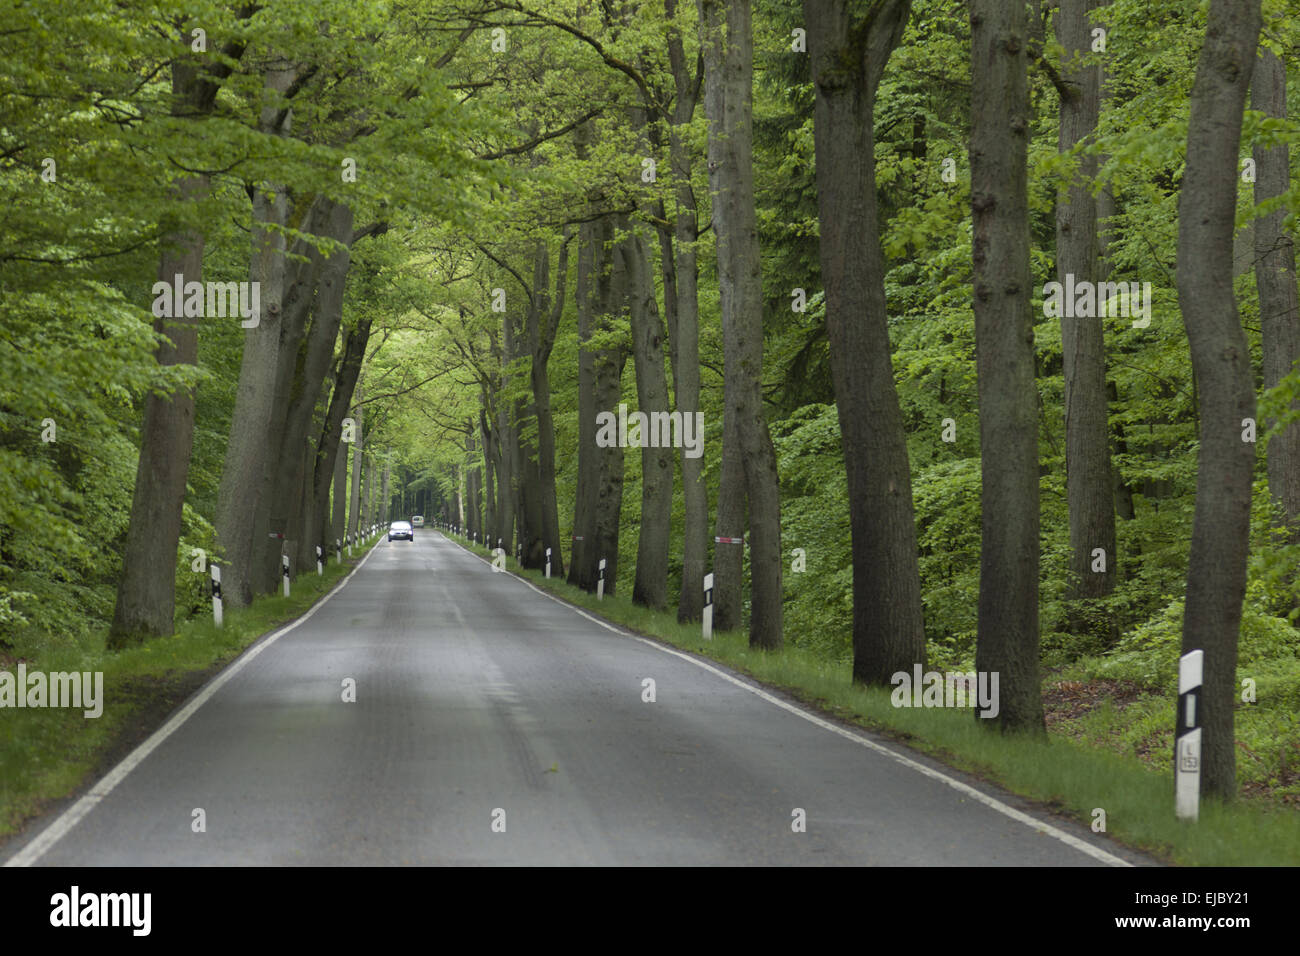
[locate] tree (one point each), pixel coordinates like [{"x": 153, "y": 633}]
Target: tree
[
  {"x": 1089, "y": 481},
  {"x": 728, "y": 105},
  {"x": 1216, "y": 570},
  {"x": 849, "y": 52},
  {"x": 1007, "y": 640},
  {"x": 146, "y": 599}
]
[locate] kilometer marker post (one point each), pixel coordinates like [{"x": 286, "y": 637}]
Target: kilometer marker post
[
  {"x": 216, "y": 594},
  {"x": 1187, "y": 737},
  {"x": 708, "y": 606}
]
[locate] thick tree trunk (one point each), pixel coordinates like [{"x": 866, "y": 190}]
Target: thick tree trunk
[
  {"x": 650, "y": 586},
  {"x": 276, "y": 505},
  {"x": 682, "y": 316},
  {"x": 584, "y": 498},
  {"x": 1007, "y": 638},
  {"x": 358, "y": 436},
  {"x": 489, "y": 474},
  {"x": 242, "y": 508},
  {"x": 848, "y": 58},
  {"x": 543, "y": 323},
  {"x": 608, "y": 368},
  {"x": 729, "y": 556},
  {"x": 599, "y": 501},
  {"x": 146, "y": 590},
  {"x": 507, "y": 447},
  {"x": 1275, "y": 280},
  {"x": 686, "y": 383},
  {"x": 474, "y": 519},
  {"x": 367, "y": 489},
  {"x": 1090, "y": 487},
  {"x": 728, "y": 103},
  {"x": 1216, "y": 571},
  {"x": 294, "y": 484},
  {"x": 332, "y": 454},
  {"x": 338, "y": 526}
]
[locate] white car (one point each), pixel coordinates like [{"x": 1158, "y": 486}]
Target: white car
[
  {"x": 401, "y": 529},
  {"x": 418, "y": 521}
]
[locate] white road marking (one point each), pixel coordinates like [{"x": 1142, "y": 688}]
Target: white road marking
[
  {"x": 70, "y": 817},
  {"x": 1083, "y": 846}
]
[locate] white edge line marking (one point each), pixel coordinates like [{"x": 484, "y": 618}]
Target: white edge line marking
[
  {"x": 1069, "y": 839},
  {"x": 70, "y": 817}
]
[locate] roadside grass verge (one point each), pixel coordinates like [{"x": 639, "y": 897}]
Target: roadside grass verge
[
  {"x": 46, "y": 754},
  {"x": 1074, "y": 774}
]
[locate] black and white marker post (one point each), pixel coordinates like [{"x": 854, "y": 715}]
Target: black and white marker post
[
  {"x": 349, "y": 537},
  {"x": 320, "y": 560},
  {"x": 284, "y": 571},
  {"x": 600, "y": 581},
  {"x": 338, "y": 550},
  {"x": 548, "y": 562},
  {"x": 1187, "y": 737},
  {"x": 708, "y": 606},
  {"x": 216, "y": 594}
]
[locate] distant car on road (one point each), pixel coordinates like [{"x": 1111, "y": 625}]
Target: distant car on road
[
  {"x": 418, "y": 521},
  {"x": 401, "y": 529}
]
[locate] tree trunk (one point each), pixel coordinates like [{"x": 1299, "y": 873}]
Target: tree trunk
[
  {"x": 848, "y": 58},
  {"x": 608, "y": 368},
  {"x": 729, "y": 556},
  {"x": 544, "y": 322},
  {"x": 358, "y": 436},
  {"x": 650, "y": 586},
  {"x": 728, "y": 104},
  {"x": 242, "y": 509},
  {"x": 1275, "y": 279},
  {"x": 507, "y": 445},
  {"x": 331, "y": 444},
  {"x": 474, "y": 519},
  {"x": 1216, "y": 571},
  {"x": 489, "y": 473},
  {"x": 295, "y": 485},
  {"x": 1007, "y": 637},
  {"x": 599, "y": 500},
  {"x": 276, "y": 505},
  {"x": 146, "y": 590},
  {"x": 384, "y": 507},
  {"x": 684, "y": 337},
  {"x": 1089, "y": 483},
  {"x": 339, "y": 511}
]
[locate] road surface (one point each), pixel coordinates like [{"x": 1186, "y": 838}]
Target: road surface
[{"x": 493, "y": 724}]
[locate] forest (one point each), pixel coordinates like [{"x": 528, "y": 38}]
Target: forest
[{"x": 941, "y": 334}]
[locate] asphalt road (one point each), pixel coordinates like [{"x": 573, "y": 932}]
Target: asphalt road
[{"x": 495, "y": 725}]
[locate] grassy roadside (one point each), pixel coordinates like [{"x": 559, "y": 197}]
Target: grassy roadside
[
  {"x": 1073, "y": 776},
  {"x": 46, "y": 754}
]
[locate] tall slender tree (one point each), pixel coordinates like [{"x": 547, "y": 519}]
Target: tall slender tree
[
  {"x": 1089, "y": 483},
  {"x": 1007, "y": 637}
]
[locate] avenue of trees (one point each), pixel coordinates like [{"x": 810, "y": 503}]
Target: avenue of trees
[{"x": 828, "y": 228}]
